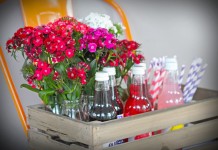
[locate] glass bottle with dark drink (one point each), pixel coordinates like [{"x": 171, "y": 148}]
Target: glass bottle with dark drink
[
  {"x": 116, "y": 101},
  {"x": 102, "y": 109}
]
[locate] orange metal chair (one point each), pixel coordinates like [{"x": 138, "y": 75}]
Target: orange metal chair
[
  {"x": 122, "y": 16},
  {"x": 38, "y": 20},
  {"x": 38, "y": 12},
  {"x": 13, "y": 91}
]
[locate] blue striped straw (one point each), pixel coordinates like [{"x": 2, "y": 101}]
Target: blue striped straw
[
  {"x": 181, "y": 75},
  {"x": 194, "y": 76},
  {"x": 189, "y": 77},
  {"x": 193, "y": 90},
  {"x": 190, "y": 85}
]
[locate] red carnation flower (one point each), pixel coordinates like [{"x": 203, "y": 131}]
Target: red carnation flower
[{"x": 69, "y": 53}]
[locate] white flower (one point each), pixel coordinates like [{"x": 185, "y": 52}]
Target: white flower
[{"x": 96, "y": 20}]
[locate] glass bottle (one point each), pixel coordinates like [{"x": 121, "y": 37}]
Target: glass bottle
[
  {"x": 171, "y": 94},
  {"x": 102, "y": 109},
  {"x": 137, "y": 101},
  {"x": 145, "y": 84},
  {"x": 116, "y": 101}
]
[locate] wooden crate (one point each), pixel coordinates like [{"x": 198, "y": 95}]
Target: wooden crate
[{"x": 50, "y": 131}]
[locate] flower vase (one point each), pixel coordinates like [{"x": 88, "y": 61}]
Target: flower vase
[
  {"x": 54, "y": 105},
  {"x": 86, "y": 101},
  {"x": 70, "y": 108}
]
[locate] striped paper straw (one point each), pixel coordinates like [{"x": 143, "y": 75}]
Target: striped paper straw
[
  {"x": 194, "y": 78},
  {"x": 197, "y": 82},
  {"x": 160, "y": 81},
  {"x": 149, "y": 71},
  {"x": 196, "y": 69},
  {"x": 189, "y": 77},
  {"x": 181, "y": 75},
  {"x": 155, "y": 84},
  {"x": 162, "y": 75}
]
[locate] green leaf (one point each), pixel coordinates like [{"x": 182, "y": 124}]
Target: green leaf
[
  {"x": 60, "y": 68},
  {"x": 44, "y": 95},
  {"x": 78, "y": 91},
  {"x": 29, "y": 88},
  {"x": 128, "y": 82},
  {"x": 118, "y": 72},
  {"x": 50, "y": 82},
  {"x": 90, "y": 87},
  {"x": 70, "y": 96},
  {"x": 93, "y": 66},
  {"x": 44, "y": 57},
  {"x": 123, "y": 93}
]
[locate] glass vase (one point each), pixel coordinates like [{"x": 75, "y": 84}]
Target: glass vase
[
  {"x": 54, "y": 105},
  {"x": 85, "y": 103},
  {"x": 71, "y": 108}
]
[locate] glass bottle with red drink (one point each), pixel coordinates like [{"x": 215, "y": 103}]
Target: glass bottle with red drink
[
  {"x": 116, "y": 101},
  {"x": 137, "y": 101},
  {"x": 146, "y": 86}
]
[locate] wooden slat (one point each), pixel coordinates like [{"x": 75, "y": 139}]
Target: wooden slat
[
  {"x": 41, "y": 141},
  {"x": 175, "y": 139},
  {"x": 74, "y": 129},
  {"x": 209, "y": 146},
  {"x": 152, "y": 121},
  {"x": 202, "y": 94}
]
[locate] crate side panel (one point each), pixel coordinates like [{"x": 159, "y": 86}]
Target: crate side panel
[
  {"x": 38, "y": 140},
  {"x": 152, "y": 121},
  {"x": 175, "y": 139},
  {"x": 60, "y": 125}
]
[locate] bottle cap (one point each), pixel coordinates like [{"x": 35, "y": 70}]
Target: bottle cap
[
  {"x": 142, "y": 64},
  {"x": 171, "y": 64},
  {"x": 101, "y": 76},
  {"x": 139, "y": 70},
  {"x": 110, "y": 70}
]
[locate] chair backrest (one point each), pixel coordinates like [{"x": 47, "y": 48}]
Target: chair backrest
[
  {"x": 122, "y": 16},
  {"x": 39, "y": 12}
]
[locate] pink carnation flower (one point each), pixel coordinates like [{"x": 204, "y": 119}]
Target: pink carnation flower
[{"x": 92, "y": 47}]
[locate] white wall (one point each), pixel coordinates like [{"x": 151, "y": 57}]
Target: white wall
[{"x": 186, "y": 28}]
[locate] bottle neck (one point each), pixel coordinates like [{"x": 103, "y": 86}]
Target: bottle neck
[
  {"x": 171, "y": 78},
  {"x": 112, "y": 84},
  {"x": 102, "y": 86},
  {"x": 138, "y": 82}
]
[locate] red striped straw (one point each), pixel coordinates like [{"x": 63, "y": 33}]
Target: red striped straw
[
  {"x": 162, "y": 75},
  {"x": 181, "y": 75},
  {"x": 154, "y": 89}
]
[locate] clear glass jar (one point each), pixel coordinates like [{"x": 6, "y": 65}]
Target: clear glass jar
[{"x": 71, "y": 109}]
